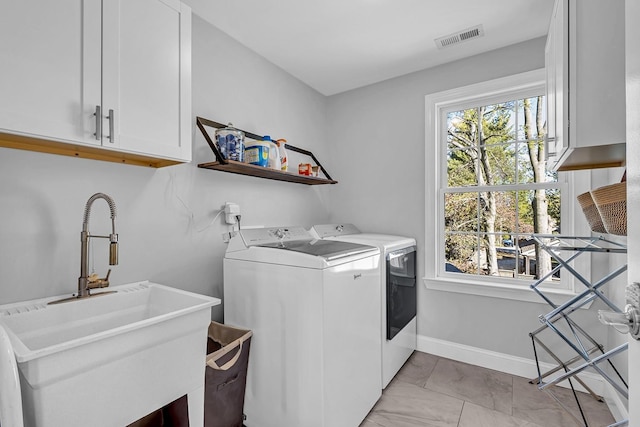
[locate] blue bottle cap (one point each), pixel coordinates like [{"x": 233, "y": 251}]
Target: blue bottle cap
[{"x": 266, "y": 138}]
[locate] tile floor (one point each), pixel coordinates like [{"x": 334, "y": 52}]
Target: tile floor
[{"x": 434, "y": 391}]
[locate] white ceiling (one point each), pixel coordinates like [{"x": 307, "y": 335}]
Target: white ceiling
[{"x": 338, "y": 45}]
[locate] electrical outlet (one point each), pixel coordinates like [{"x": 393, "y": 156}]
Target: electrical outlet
[
  {"x": 226, "y": 237},
  {"x": 231, "y": 211}
]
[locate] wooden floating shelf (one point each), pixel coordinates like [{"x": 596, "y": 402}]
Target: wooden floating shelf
[
  {"x": 262, "y": 172},
  {"x": 232, "y": 166}
]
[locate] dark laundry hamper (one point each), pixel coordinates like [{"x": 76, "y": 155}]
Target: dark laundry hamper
[{"x": 225, "y": 382}]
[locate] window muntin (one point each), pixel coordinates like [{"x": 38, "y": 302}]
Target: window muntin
[{"x": 493, "y": 166}]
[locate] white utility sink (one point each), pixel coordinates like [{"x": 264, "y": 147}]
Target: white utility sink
[{"x": 109, "y": 360}]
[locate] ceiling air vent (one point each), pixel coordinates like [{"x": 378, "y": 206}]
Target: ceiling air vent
[{"x": 460, "y": 36}]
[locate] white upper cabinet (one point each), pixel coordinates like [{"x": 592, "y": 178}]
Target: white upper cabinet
[
  {"x": 146, "y": 73},
  {"x": 584, "y": 58},
  {"x": 43, "y": 54},
  {"x": 114, "y": 74},
  {"x": 557, "y": 68}
]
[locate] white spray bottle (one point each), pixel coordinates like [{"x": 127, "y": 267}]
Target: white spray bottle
[
  {"x": 284, "y": 164},
  {"x": 274, "y": 155}
]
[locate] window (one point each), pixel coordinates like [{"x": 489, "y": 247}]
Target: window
[
  {"x": 497, "y": 190},
  {"x": 490, "y": 190}
]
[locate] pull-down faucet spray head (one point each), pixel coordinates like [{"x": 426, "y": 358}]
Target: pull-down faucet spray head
[
  {"x": 113, "y": 253},
  {"x": 83, "y": 290}
]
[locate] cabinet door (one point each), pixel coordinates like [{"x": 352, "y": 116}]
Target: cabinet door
[
  {"x": 46, "y": 48},
  {"x": 549, "y": 54},
  {"x": 556, "y": 62},
  {"x": 585, "y": 60},
  {"x": 597, "y": 58},
  {"x": 146, "y": 77}
]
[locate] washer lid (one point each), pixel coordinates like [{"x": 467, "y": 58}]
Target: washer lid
[
  {"x": 329, "y": 250},
  {"x": 350, "y": 233},
  {"x": 295, "y": 246}
]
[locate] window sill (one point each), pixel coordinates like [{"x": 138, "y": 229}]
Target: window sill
[{"x": 503, "y": 291}]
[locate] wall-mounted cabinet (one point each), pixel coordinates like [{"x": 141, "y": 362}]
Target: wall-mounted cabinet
[
  {"x": 584, "y": 57},
  {"x": 108, "y": 80}
]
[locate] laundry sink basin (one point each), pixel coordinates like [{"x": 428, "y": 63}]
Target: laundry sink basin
[{"x": 109, "y": 360}]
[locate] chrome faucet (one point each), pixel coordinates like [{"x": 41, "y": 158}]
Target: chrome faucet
[{"x": 86, "y": 282}]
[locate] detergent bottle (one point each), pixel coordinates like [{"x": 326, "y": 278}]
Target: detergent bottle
[
  {"x": 257, "y": 152},
  {"x": 274, "y": 156},
  {"x": 284, "y": 164}
]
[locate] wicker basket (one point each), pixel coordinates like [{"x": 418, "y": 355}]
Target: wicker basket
[
  {"x": 611, "y": 201},
  {"x": 591, "y": 212}
]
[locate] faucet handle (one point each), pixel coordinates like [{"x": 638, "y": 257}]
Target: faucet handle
[{"x": 95, "y": 282}]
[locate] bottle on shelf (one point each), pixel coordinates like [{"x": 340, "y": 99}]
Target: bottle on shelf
[
  {"x": 274, "y": 155},
  {"x": 258, "y": 152},
  {"x": 284, "y": 163}
]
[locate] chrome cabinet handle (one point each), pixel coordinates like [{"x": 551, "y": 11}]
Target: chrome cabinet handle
[
  {"x": 98, "y": 115},
  {"x": 111, "y": 117}
]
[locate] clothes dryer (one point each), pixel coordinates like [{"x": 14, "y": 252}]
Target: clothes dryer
[{"x": 398, "y": 293}]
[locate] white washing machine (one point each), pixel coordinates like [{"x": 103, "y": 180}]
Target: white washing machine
[
  {"x": 313, "y": 307},
  {"x": 398, "y": 293}
]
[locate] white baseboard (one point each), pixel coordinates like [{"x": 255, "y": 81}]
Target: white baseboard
[
  {"x": 519, "y": 366},
  {"x": 616, "y": 404}
]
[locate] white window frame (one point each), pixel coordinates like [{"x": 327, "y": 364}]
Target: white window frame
[{"x": 518, "y": 86}]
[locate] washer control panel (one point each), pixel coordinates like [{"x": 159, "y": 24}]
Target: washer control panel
[
  {"x": 262, "y": 236},
  {"x": 332, "y": 230}
]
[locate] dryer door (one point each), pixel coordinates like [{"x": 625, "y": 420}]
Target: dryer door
[{"x": 401, "y": 289}]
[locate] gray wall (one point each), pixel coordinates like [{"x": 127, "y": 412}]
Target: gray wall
[
  {"x": 164, "y": 215},
  {"x": 377, "y": 136},
  {"x": 615, "y": 289}
]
